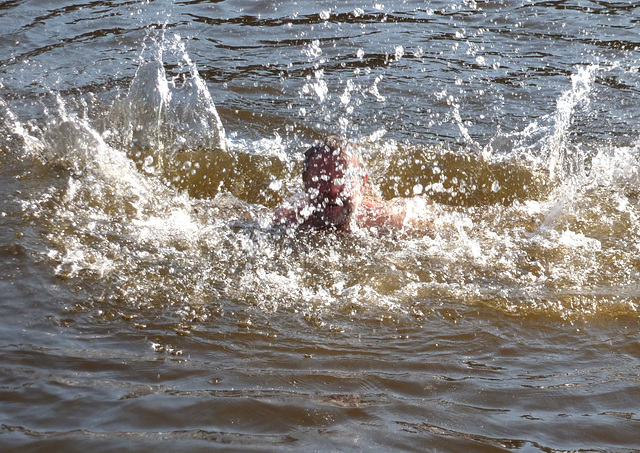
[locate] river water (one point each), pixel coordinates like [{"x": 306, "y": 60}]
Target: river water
[{"x": 147, "y": 302}]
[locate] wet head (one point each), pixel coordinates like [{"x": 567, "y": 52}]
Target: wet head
[{"x": 334, "y": 180}]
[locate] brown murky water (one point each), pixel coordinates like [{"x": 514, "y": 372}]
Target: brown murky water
[{"x": 147, "y": 302}]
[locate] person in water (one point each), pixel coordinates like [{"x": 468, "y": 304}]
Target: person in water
[{"x": 336, "y": 195}]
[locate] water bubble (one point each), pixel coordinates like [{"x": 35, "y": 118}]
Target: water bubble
[
  {"x": 399, "y": 52},
  {"x": 148, "y": 165},
  {"x": 312, "y": 49},
  {"x": 373, "y": 89},
  {"x": 275, "y": 185}
]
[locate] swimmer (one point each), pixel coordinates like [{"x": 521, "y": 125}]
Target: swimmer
[{"x": 336, "y": 195}]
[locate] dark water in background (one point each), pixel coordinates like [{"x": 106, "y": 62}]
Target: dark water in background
[{"x": 146, "y": 303}]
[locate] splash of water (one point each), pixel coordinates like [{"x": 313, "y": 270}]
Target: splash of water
[
  {"x": 166, "y": 114},
  {"x": 146, "y": 247},
  {"x": 336, "y": 100},
  {"x": 566, "y": 161}
]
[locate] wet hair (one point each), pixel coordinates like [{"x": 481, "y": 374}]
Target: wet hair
[{"x": 332, "y": 145}]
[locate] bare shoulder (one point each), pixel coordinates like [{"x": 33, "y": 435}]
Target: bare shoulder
[
  {"x": 376, "y": 212},
  {"x": 412, "y": 213}
]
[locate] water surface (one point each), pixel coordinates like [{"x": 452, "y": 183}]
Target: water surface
[{"x": 148, "y": 303}]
